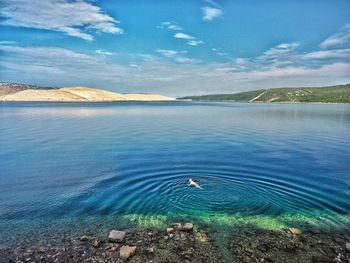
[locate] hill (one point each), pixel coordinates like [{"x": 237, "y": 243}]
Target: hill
[
  {"x": 330, "y": 94},
  {"x": 21, "y": 92}
]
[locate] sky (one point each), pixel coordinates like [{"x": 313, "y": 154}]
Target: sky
[{"x": 175, "y": 48}]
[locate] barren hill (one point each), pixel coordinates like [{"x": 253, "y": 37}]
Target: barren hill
[{"x": 20, "y": 92}]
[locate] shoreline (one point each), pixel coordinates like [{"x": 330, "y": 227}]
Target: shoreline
[{"x": 184, "y": 243}]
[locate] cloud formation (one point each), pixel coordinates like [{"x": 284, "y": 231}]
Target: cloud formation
[
  {"x": 210, "y": 13},
  {"x": 176, "y": 55},
  {"x": 342, "y": 37},
  {"x": 172, "y": 73},
  {"x": 77, "y": 18},
  {"x": 192, "y": 41},
  {"x": 170, "y": 26},
  {"x": 183, "y": 36}
]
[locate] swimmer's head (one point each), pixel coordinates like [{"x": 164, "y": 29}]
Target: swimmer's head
[{"x": 190, "y": 180}]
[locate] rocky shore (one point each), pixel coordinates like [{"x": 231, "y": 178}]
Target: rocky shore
[{"x": 187, "y": 243}]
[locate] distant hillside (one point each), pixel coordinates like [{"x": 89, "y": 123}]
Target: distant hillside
[
  {"x": 331, "y": 94},
  {"x": 22, "y": 92}
]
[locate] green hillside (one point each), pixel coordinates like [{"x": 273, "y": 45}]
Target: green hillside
[{"x": 331, "y": 94}]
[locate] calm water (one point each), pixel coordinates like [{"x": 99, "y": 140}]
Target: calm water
[{"x": 261, "y": 163}]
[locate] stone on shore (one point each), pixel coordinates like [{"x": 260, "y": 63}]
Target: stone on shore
[
  {"x": 177, "y": 226},
  {"x": 84, "y": 238},
  {"x": 127, "y": 251},
  {"x": 96, "y": 244},
  {"x": 116, "y": 236},
  {"x": 347, "y": 245},
  {"x": 170, "y": 230},
  {"x": 184, "y": 227},
  {"x": 187, "y": 227},
  {"x": 294, "y": 231}
]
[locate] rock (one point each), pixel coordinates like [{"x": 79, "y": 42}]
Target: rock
[
  {"x": 294, "y": 231},
  {"x": 150, "y": 250},
  {"x": 337, "y": 259},
  {"x": 127, "y": 251},
  {"x": 96, "y": 244},
  {"x": 347, "y": 245},
  {"x": 170, "y": 230},
  {"x": 177, "y": 226},
  {"x": 187, "y": 227},
  {"x": 263, "y": 248},
  {"x": 115, "y": 248},
  {"x": 321, "y": 259},
  {"x": 116, "y": 236},
  {"x": 84, "y": 238}
]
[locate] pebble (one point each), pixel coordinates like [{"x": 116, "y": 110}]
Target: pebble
[
  {"x": 347, "y": 245},
  {"x": 170, "y": 230},
  {"x": 116, "y": 236},
  {"x": 96, "y": 244},
  {"x": 127, "y": 251},
  {"x": 294, "y": 231},
  {"x": 84, "y": 238},
  {"x": 150, "y": 250}
]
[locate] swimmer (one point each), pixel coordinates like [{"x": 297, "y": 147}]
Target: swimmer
[{"x": 192, "y": 183}]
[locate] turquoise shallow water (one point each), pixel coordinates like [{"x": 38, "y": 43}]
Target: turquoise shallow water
[{"x": 266, "y": 164}]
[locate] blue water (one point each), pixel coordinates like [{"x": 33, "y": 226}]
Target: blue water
[{"x": 253, "y": 161}]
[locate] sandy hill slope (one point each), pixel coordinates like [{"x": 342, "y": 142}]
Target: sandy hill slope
[
  {"x": 90, "y": 94},
  {"x": 72, "y": 94}
]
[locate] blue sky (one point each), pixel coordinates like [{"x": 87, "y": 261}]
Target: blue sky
[{"x": 177, "y": 47}]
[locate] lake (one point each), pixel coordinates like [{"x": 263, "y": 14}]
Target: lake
[{"x": 272, "y": 165}]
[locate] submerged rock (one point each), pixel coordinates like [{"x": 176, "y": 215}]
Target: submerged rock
[
  {"x": 127, "y": 251},
  {"x": 116, "y": 236}
]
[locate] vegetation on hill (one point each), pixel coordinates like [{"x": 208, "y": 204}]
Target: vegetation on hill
[{"x": 331, "y": 94}]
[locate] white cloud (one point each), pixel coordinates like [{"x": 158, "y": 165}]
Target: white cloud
[
  {"x": 103, "y": 52},
  {"x": 340, "y": 38},
  {"x": 75, "y": 18},
  {"x": 183, "y": 36},
  {"x": 176, "y": 55},
  {"x": 192, "y": 41},
  {"x": 328, "y": 54},
  {"x": 195, "y": 42},
  {"x": 284, "y": 49},
  {"x": 167, "y": 52},
  {"x": 210, "y": 13},
  {"x": 170, "y": 25},
  {"x": 186, "y": 60}
]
